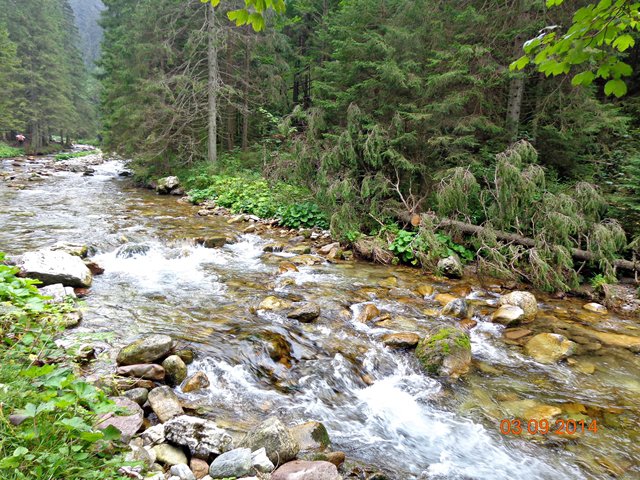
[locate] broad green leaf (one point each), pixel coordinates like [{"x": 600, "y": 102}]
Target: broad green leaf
[
  {"x": 616, "y": 87},
  {"x": 111, "y": 433},
  {"x": 584, "y": 79},
  {"x": 624, "y": 42}
]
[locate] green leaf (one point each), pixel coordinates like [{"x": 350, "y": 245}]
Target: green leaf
[
  {"x": 624, "y": 42},
  {"x": 616, "y": 87},
  {"x": 111, "y": 433},
  {"x": 584, "y": 79},
  {"x": 520, "y": 63}
]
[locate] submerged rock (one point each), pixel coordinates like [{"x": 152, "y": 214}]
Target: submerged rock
[
  {"x": 596, "y": 308},
  {"x": 165, "y": 404},
  {"x": 51, "y": 267},
  {"x": 176, "y": 369},
  {"x": 145, "y": 350},
  {"x": 368, "y": 313},
  {"x": 197, "y": 381},
  {"x": 451, "y": 267},
  {"x": 232, "y": 464},
  {"x": 458, "y": 308},
  {"x": 273, "y": 303},
  {"x": 549, "y": 347},
  {"x": 508, "y": 315},
  {"x": 276, "y": 439},
  {"x": 202, "y": 437},
  {"x": 525, "y": 300},
  {"x": 305, "y": 470},
  {"x": 307, "y": 260},
  {"x": 306, "y": 312},
  {"x": 446, "y": 352},
  {"x": 131, "y": 250}
]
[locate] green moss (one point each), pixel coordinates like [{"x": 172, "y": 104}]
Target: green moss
[{"x": 432, "y": 350}]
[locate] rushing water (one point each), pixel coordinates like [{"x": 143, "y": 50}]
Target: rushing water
[{"x": 376, "y": 403}]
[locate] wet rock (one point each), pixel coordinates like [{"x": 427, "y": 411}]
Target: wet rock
[
  {"x": 368, "y": 313},
  {"x": 128, "y": 423},
  {"x": 401, "y": 340},
  {"x": 197, "y": 381},
  {"x": 234, "y": 463},
  {"x": 132, "y": 250},
  {"x": 165, "y": 404},
  {"x": 138, "y": 395},
  {"x": 94, "y": 267},
  {"x": 202, "y": 437},
  {"x": 326, "y": 249},
  {"x": 237, "y": 219},
  {"x": 444, "y": 298},
  {"x": 75, "y": 249},
  {"x": 306, "y": 312},
  {"x": 186, "y": 354},
  {"x": 305, "y": 470},
  {"x": 389, "y": 282},
  {"x": 337, "y": 458},
  {"x": 311, "y": 436},
  {"x": 467, "y": 324},
  {"x": 425, "y": 290},
  {"x": 272, "y": 303},
  {"x": 169, "y": 454},
  {"x": 261, "y": 462},
  {"x": 596, "y": 308},
  {"x": 249, "y": 229},
  {"x": 153, "y": 435},
  {"x": 51, "y": 267},
  {"x": 182, "y": 471},
  {"x": 167, "y": 184},
  {"x": 530, "y": 410},
  {"x": 150, "y": 371},
  {"x": 218, "y": 241},
  {"x": 146, "y": 350},
  {"x": 285, "y": 267},
  {"x": 458, "y": 308},
  {"x": 273, "y": 247},
  {"x": 525, "y": 300},
  {"x": 126, "y": 384},
  {"x": 278, "y": 348},
  {"x": 300, "y": 249},
  {"x": 199, "y": 467},
  {"x": 335, "y": 254},
  {"x": 549, "y": 347},
  {"x": 451, "y": 267},
  {"x": 176, "y": 369},
  {"x": 446, "y": 352},
  {"x": 582, "y": 366},
  {"x": 516, "y": 334},
  {"x": 275, "y": 437},
  {"x": 508, "y": 315},
  {"x": 307, "y": 260}
]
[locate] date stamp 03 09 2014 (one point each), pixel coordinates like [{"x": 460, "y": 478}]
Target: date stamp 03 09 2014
[{"x": 544, "y": 427}]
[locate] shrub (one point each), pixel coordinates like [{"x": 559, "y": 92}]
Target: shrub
[
  {"x": 67, "y": 156},
  {"x": 7, "y": 152}
]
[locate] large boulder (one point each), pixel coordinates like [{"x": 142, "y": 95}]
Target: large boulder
[
  {"x": 164, "y": 403},
  {"x": 167, "y": 185},
  {"x": 525, "y": 300},
  {"x": 276, "y": 439},
  {"x": 451, "y": 267},
  {"x": 51, "y": 267},
  {"x": 176, "y": 370},
  {"x": 235, "y": 463},
  {"x": 549, "y": 347},
  {"x": 307, "y": 312},
  {"x": 145, "y": 350},
  {"x": 202, "y": 437},
  {"x": 128, "y": 423},
  {"x": 446, "y": 352},
  {"x": 311, "y": 436},
  {"x": 304, "y": 470}
]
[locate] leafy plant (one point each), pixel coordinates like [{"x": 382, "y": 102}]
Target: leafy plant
[
  {"x": 67, "y": 156},
  {"x": 302, "y": 215},
  {"x": 600, "y": 280},
  {"x": 409, "y": 246},
  {"x": 7, "y": 152}
]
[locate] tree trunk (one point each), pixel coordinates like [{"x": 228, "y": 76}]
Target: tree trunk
[
  {"x": 516, "y": 93},
  {"x": 213, "y": 85}
]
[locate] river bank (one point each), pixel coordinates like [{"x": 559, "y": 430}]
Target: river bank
[{"x": 375, "y": 402}]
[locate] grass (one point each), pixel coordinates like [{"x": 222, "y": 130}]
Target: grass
[
  {"x": 7, "y": 152},
  {"x": 67, "y": 156},
  {"x": 56, "y": 438}
]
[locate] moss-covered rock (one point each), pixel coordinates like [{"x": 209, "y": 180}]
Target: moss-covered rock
[{"x": 446, "y": 352}]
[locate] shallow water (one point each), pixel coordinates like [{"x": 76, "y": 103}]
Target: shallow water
[{"x": 376, "y": 403}]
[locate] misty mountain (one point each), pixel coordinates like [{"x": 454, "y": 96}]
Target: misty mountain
[{"x": 87, "y": 13}]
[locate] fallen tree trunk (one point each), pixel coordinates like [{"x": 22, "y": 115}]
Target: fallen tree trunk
[{"x": 531, "y": 243}]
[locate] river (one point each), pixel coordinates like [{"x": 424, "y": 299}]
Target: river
[{"x": 377, "y": 404}]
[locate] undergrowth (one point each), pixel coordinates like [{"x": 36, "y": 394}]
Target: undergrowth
[
  {"x": 7, "y": 152},
  {"x": 67, "y": 156}
]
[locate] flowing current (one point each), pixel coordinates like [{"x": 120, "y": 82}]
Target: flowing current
[{"x": 378, "y": 406}]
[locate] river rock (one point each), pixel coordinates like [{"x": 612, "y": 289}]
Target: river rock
[
  {"x": 150, "y": 371},
  {"x": 273, "y": 303},
  {"x": 444, "y": 298},
  {"x": 199, "y": 467},
  {"x": 305, "y": 470},
  {"x": 276, "y": 439},
  {"x": 458, "y": 308},
  {"x": 51, "y": 267},
  {"x": 138, "y": 395},
  {"x": 234, "y": 463},
  {"x": 525, "y": 300},
  {"x": 146, "y": 350},
  {"x": 153, "y": 435},
  {"x": 261, "y": 462},
  {"x": 131, "y": 250},
  {"x": 516, "y": 334},
  {"x": 93, "y": 267},
  {"x": 596, "y": 308},
  {"x": 326, "y": 250},
  {"x": 167, "y": 184},
  {"x": 57, "y": 292},
  {"x": 300, "y": 249},
  {"x": 307, "y": 260},
  {"x": 202, "y": 437},
  {"x": 165, "y": 404},
  {"x": 75, "y": 249},
  {"x": 311, "y": 436},
  {"x": 401, "y": 340},
  {"x": 446, "y": 352},
  {"x": 425, "y": 290},
  {"x": 368, "y": 312},
  {"x": 451, "y": 267},
  {"x": 182, "y": 471},
  {"x": 176, "y": 369},
  {"x": 128, "y": 424},
  {"x": 307, "y": 312},
  {"x": 549, "y": 347},
  {"x": 273, "y": 247},
  {"x": 197, "y": 381},
  {"x": 508, "y": 315},
  {"x": 187, "y": 355},
  {"x": 140, "y": 454},
  {"x": 530, "y": 410},
  {"x": 169, "y": 454},
  {"x": 285, "y": 267}
]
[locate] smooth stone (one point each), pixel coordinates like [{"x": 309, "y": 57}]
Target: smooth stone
[
  {"x": 234, "y": 463},
  {"x": 138, "y": 395},
  {"x": 182, "y": 471},
  {"x": 202, "y": 437},
  {"x": 326, "y": 249},
  {"x": 517, "y": 333},
  {"x": 51, "y": 267},
  {"x": 94, "y": 267},
  {"x": 167, "y": 184},
  {"x": 165, "y": 404},
  {"x": 150, "y": 371},
  {"x": 368, "y": 312},
  {"x": 261, "y": 462},
  {"x": 140, "y": 454},
  {"x": 311, "y": 436},
  {"x": 306, "y": 470},
  {"x": 300, "y": 249},
  {"x": 458, "y": 308},
  {"x": 401, "y": 340},
  {"x": 549, "y": 347},
  {"x": 444, "y": 298},
  {"x": 337, "y": 458},
  {"x": 169, "y": 454},
  {"x": 75, "y": 249},
  {"x": 186, "y": 354},
  {"x": 451, "y": 267},
  {"x": 425, "y": 290},
  {"x": 306, "y": 312},
  {"x": 58, "y": 293},
  {"x": 275, "y": 437},
  {"x": 596, "y": 308},
  {"x": 285, "y": 267},
  {"x": 508, "y": 315},
  {"x": 127, "y": 424},
  {"x": 307, "y": 260},
  {"x": 525, "y": 300},
  {"x": 199, "y": 467},
  {"x": 530, "y": 409},
  {"x": 273, "y": 303},
  {"x": 145, "y": 350},
  {"x": 197, "y": 381},
  {"x": 176, "y": 369}
]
